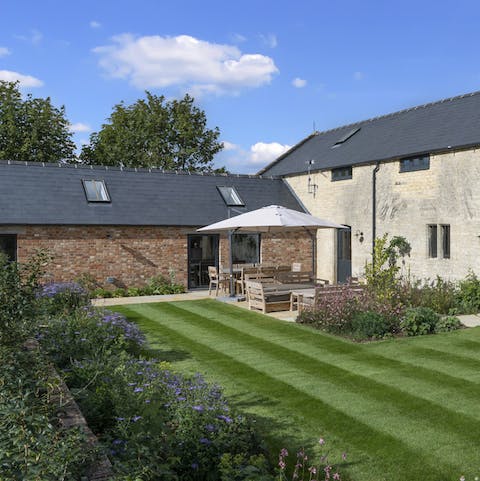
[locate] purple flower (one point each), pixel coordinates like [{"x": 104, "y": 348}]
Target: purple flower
[
  {"x": 227, "y": 419},
  {"x": 198, "y": 408},
  {"x": 205, "y": 441},
  {"x": 136, "y": 418},
  {"x": 138, "y": 389}
]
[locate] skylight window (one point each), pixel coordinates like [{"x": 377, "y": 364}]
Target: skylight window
[
  {"x": 343, "y": 139},
  {"x": 231, "y": 197},
  {"x": 96, "y": 191}
]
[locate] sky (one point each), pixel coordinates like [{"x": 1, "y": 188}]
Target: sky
[{"x": 267, "y": 73}]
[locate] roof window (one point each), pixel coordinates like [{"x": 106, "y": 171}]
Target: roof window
[
  {"x": 230, "y": 196},
  {"x": 344, "y": 138},
  {"x": 96, "y": 191}
]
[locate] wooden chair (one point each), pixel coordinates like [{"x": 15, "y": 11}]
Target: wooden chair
[
  {"x": 246, "y": 271},
  {"x": 219, "y": 281}
]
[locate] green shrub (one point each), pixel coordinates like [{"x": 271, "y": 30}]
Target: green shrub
[
  {"x": 439, "y": 295},
  {"x": 448, "y": 323},
  {"x": 18, "y": 302},
  {"x": 419, "y": 321},
  {"x": 370, "y": 325},
  {"x": 62, "y": 297},
  {"x": 468, "y": 296},
  {"x": 119, "y": 292}
]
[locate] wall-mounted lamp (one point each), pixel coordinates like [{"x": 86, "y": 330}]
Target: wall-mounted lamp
[
  {"x": 311, "y": 186},
  {"x": 359, "y": 236}
]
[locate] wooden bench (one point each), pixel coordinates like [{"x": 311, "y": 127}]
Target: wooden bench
[
  {"x": 299, "y": 277},
  {"x": 325, "y": 291},
  {"x": 267, "y": 296}
]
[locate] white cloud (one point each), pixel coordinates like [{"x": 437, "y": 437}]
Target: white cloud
[
  {"x": 80, "y": 127},
  {"x": 299, "y": 82},
  {"x": 238, "y": 38},
  {"x": 25, "y": 80},
  {"x": 35, "y": 37},
  {"x": 263, "y": 153},
  {"x": 358, "y": 75},
  {"x": 4, "y": 51},
  {"x": 269, "y": 40},
  {"x": 184, "y": 61},
  {"x": 95, "y": 24},
  {"x": 229, "y": 145}
]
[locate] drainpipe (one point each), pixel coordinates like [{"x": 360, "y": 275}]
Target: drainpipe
[{"x": 374, "y": 209}]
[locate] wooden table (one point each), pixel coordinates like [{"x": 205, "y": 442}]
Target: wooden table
[{"x": 297, "y": 295}]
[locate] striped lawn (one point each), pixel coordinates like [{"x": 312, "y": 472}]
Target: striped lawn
[{"x": 404, "y": 409}]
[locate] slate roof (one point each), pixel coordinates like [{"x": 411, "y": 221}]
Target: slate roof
[
  {"x": 439, "y": 126},
  {"x": 35, "y": 193}
]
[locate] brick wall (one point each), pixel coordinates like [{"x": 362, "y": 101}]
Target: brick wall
[{"x": 133, "y": 254}]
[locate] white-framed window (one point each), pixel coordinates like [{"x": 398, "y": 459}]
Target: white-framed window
[{"x": 231, "y": 196}]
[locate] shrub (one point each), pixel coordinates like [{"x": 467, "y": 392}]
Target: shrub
[
  {"x": 418, "y": 321},
  {"x": 62, "y": 297},
  {"x": 369, "y": 325},
  {"x": 33, "y": 445},
  {"x": 468, "y": 296},
  {"x": 448, "y": 323},
  {"x": 18, "y": 304}
]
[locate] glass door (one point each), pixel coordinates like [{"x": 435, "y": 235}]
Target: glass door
[{"x": 202, "y": 252}]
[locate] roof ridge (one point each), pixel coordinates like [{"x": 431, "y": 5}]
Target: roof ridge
[
  {"x": 398, "y": 112},
  {"x": 151, "y": 170}
]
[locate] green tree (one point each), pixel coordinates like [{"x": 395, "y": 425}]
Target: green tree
[
  {"x": 32, "y": 129},
  {"x": 154, "y": 132}
]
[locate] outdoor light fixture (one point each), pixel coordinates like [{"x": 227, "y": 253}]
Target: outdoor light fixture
[
  {"x": 311, "y": 186},
  {"x": 359, "y": 236}
]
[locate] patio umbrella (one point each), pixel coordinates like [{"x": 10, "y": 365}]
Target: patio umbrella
[{"x": 273, "y": 218}]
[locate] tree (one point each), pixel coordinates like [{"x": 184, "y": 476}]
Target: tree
[
  {"x": 32, "y": 129},
  {"x": 154, "y": 132}
]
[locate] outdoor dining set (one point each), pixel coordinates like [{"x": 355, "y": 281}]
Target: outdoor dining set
[{"x": 274, "y": 287}]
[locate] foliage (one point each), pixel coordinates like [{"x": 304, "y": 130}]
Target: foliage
[
  {"x": 382, "y": 273},
  {"x": 155, "y": 132},
  {"x": 62, "y": 297},
  {"x": 154, "y": 423},
  {"x": 33, "y": 446},
  {"x": 32, "y": 129},
  {"x": 439, "y": 295},
  {"x": 448, "y": 323},
  {"x": 419, "y": 321},
  {"x": 341, "y": 313},
  {"x": 304, "y": 470},
  {"x": 370, "y": 325},
  {"x": 18, "y": 306},
  {"x": 157, "y": 285},
  {"x": 468, "y": 295}
]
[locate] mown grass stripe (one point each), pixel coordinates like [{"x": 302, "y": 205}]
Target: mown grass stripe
[
  {"x": 377, "y": 445},
  {"x": 460, "y": 429},
  {"x": 434, "y": 388}
]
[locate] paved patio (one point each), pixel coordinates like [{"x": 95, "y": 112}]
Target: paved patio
[{"x": 468, "y": 320}]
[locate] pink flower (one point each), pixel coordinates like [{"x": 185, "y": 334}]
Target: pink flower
[
  {"x": 336, "y": 476},
  {"x": 321, "y": 441},
  {"x": 344, "y": 456}
]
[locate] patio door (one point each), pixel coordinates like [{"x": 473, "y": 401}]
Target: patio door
[
  {"x": 202, "y": 252},
  {"x": 344, "y": 254}
]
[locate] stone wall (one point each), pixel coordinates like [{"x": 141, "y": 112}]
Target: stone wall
[
  {"x": 131, "y": 255},
  {"x": 407, "y": 202}
]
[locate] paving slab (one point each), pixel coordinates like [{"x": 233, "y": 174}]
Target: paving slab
[
  {"x": 117, "y": 301},
  {"x": 470, "y": 320}
]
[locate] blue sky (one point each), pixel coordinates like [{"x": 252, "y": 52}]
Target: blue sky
[{"x": 265, "y": 72}]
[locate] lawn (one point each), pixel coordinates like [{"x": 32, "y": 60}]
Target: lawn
[{"x": 403, "y": 409}]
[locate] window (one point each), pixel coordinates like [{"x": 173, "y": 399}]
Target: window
[
  {"x": 345, "y": 137},
  {"x": 445, "y": 232},
  {"x": 342, "y": 173},
  {"x": 432, "y": 241},
  {"x": 415, "y": 163},
  {"x": 8, "y": 246},
  {"x": 246, "y": 248},
  {"x": 96, "y": 191},
  {"x": 230, "y": 196}
]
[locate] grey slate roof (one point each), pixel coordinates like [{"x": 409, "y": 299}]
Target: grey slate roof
[
  {"x": 434, "y": 127},
  {"x": 34, "y": 193}
]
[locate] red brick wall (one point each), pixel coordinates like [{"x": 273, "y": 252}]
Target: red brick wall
[{"x": 134, "y": 254}]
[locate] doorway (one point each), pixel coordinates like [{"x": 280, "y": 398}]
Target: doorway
[
  {"x": 344, "y": 254},
  {"x": 202, "y": 252}
]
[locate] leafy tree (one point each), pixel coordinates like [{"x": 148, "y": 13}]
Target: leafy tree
[
  {"x": 32, "y": 129},
  {"x": 154, "y": 132}
]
